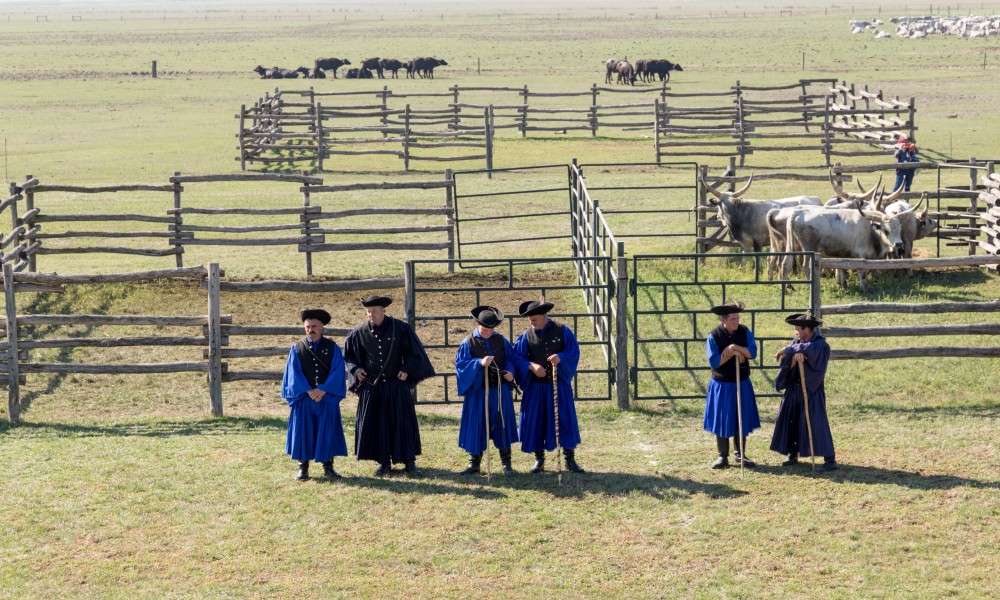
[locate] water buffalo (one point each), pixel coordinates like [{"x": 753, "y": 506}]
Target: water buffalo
[
  {"x": 356, "y": 73},
  {"x": 331, "y": 64},
  {"x": 311, "y": 73},
  {"x": 626, "y": 72},
  {"x": 285, "y": 73},
  {"x": 373, "y": 64},
  {"x": 266, "y": 73},
  {"x": 661, "y": 68},
  {"x": 392, "y": 65},
  {"x": 424, "y": 66},
  {"x": 611, "y": 64}
]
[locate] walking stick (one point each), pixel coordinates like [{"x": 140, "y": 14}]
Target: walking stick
[
  {"x": 739, "y": 416},
  {"x": 486, "y": 412},
  {"x": 555, "y": 405},
  {"x": 805, "y": 405}
]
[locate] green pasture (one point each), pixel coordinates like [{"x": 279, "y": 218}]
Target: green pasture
[{"x": 123, "y": 486}]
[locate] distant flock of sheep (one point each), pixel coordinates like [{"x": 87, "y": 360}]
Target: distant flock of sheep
[
  {"x": 915, "y": 28},
  {"x": 422, "y": 66}
]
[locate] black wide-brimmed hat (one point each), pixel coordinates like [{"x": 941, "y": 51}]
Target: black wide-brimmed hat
[
  {"x": 804, "y": 320},
  {"x": 487, "y": 316},
  {"x": 376, "y": 300},
  {"x": 315, "y": 313},
  {"x": 729, "y": 308},
  {"x": 534, "y": 307}
]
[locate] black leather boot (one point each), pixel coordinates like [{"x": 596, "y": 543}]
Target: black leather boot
[
  {"x": 539, "y": 462},
  {"x": 505, "y": 461},
  {"x": 384, "y": 470},
  {"x": 303, "y": 471},
  {"x": 571, "y": 461},
  {"x": 412, "y": 470},
  {"x": 329, "y": 472},
  {"x": 474, "y": 461},
  {"x": 722, "y": 461},
  {"x": 738, "y": 456},
  {"x": 791, "y": 459},
  {"x": 829, "y": 464}
]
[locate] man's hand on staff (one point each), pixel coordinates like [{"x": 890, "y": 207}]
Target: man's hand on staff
[
  {"x": 508, "y": 376},
  {"x": 798, "y": 359},
  {"x": 733, "y": 350},
  {"x": 486, "y": 361},
  {"x": 316, "y": 394},
  {"x": 554, "y": 359},
  {"x": 361, "y": 375}
]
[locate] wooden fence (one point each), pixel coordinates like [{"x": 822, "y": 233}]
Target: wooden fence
[
  {"x": 913, "y": 333},
  {"x": 161, "y": 224},
  {"x": 991, "y": 226},
  {"x": 213, "y": 332},
  {"x": 753, "y": 119}
]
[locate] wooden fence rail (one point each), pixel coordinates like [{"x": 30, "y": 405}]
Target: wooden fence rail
[{"x": 214, "y": 330}]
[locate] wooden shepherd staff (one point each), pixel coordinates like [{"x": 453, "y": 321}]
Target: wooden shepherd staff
[
  {"x": 805, "y": 406},
  {"x": 555, "y": 406},
  {"x": 739, "y": 415},
  {"x": 486, "y": 411}
]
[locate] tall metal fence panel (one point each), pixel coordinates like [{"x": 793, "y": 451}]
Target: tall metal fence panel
[
  {"x": 433, "y": 297},
  {"x": 672, "y": 295}
]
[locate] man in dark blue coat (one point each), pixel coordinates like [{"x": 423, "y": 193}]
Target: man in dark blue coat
[
  {"x": 544, "y": 347},
  {"x": 791, "y": 436},
  {"x": 486, "y": 358},
  {"x": 385, "y": 361},
  {"x": 313, "y": 386}
]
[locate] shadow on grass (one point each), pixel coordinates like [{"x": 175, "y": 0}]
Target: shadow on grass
[
  {"x": 574, "y": 485},
  {"x": 877, "y": 476},
  {"x": 978, "y": 410},
  {"x": 225, "y": 426}
]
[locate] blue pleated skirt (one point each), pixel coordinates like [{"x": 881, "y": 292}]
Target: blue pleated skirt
[
  {"x": 503, "y": 427},
  {"x": 315, "y": 431},
  {"x": 720, "y": 408},
  {"x": 538, "y": 424}
]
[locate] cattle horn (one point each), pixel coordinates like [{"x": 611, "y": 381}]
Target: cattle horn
[
  {"x": 710, "y": 189},
  {"x": 867, "y": 196},
  {"x": 894, "y": 195},
  {"x": 927, "y": 207},
  {"x": 743, "y": 190},
  {"x": 913, "y": 208},
  {"x": 839, "y": 190}
]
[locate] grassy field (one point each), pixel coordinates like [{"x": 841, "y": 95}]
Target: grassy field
[{"x": 123, "y": 487}]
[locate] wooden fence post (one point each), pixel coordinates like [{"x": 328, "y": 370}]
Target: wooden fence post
[
  {"x": 488, "y": 130},
  {"x": 385, "y": 111},
  {"x": 242, "y": 139},
  {"x": 406, "y": 139},
  {"x": 214, "y": 340},
  {"x": 913, "y": 109},
  {"x": 741, "y": 124},
  {"x": 973, "y": 205},
  {"x": 178, "y": 223},
  {"x": 457, "y": 119},
  {"x": 827, "y": 143},
  {"x": 449, "y": 203},
  {"x": 320, "y": 146},
  {"x": 815, "y": 296},
  {"x": 593, "y": 110},
  {"x": 29, "y": 204},
  {"x": 701, "y": 247},
  {"x": 13, "y": 373},
  {"x": 621, "y": 330},
  {"x": 524, "y": 112},
  {"x": 307, "y": 226},
  {"x": 409, "y": 290},
  {"x": 656, "y": 129}
]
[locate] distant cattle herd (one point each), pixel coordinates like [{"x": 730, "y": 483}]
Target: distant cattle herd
[
  {"x": 422, "y": 66},
  {"x": 645, "y": 69}
]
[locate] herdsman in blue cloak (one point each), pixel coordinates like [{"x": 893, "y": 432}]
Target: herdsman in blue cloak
[
  {"x": 728, "y": 343},
  {"x": 486, "y": 354},
  {"x": 544, "y": 347},
  {"x": 314, "y": 385},
  {"x": 385, "y": 362},
  {"x": 791, "y": 428}
]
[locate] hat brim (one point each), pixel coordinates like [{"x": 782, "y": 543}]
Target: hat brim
[
  {"x": 317, "y": 314},
  {"x": 532, "y": 308},
  {"x": 728, "y": 309},
  {"x": 491, "y": 316},
  {"x": 802, "y": 320},
  {"x": 370, "y": 301}
]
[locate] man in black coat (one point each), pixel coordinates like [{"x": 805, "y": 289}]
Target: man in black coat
[{"x": 385, "y": 361}]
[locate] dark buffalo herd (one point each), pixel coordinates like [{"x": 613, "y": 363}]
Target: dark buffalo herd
[
  {"x": 646, "y": 69},
  {"x": 422, "y": 66}
]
